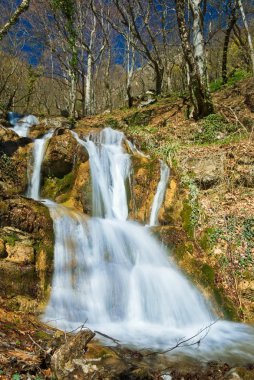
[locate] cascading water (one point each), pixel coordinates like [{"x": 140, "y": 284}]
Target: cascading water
[
  {"x": 114, "y": 276},
  {"x": 160, "y": 194},
  {"x": 21, "y": 125},
  {"x": 38, "y": 154}
]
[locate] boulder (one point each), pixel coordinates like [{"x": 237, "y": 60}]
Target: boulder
[
  {"x": 26, "y": 248},
  {"x": 62, "y": 152},
  {"x": 206, "y": 171}
]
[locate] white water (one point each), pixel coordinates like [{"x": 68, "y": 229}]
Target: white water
[
  {"x": 110, "y": 168},
  {"x": 22, "y": 125},
  {"x": 114, "y": 276},
  {"x": 38, "y": 155},
  {"x": 160, "y": 194}
]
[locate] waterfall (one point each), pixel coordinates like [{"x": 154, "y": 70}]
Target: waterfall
[
  {"x": 21, "y": 125},
  {"x": 110, "y": 168},
  {"x": 38, "y": 155},
  {"x": 114, "y": 276},
  {"x": 160, "y": 194}
]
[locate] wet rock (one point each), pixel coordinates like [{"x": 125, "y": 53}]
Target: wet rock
[
  {"x": 145, "y": 178},
  {"x": 62, "y": 153}
]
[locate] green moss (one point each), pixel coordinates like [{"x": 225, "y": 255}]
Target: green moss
[
  {"x": 11, "y": 239},
  {"x": 186, "y": 215},
  {"x": 208, "y": 274},
  {"x": 53, "y": 186},
  {"x": 141, "y": 118},
  {"x": 113, "y": 123},
  {"x": 227, "y": 307},
  {"x": 208, "y": 238},
  {"x": 42, "y": 335}
]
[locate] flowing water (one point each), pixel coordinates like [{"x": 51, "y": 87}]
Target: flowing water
[
  {"x": 160, "y": 194},
  {"x": 114, "y": 276},
  {"x": 21, "y": 125},
  {"x": 33, "y": 190}
]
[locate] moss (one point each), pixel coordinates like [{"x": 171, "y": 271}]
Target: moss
[
  {"x": 11, "y": 239},
  {"x": 227, "y": 307},
  {"x": 208, "y": 238},
  {"x": 113, "y": 123},
  {"x": 186, "y": 216},
  {"x": 139, "y": 118},
  {"x": 42, "y": 335},
  {"x": 54, "y": 187},
  {"x": 208, "y": 274}
]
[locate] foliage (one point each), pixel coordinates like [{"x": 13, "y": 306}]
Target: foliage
[
  {"x": 213, "y": 128},
  {"x": 236, "y": 76}
]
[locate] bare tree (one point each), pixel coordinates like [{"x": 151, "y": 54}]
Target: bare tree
[
  {"x": 194, "y": 54},
  {"x": 232, "y": 19},
  {"x": 14, "y": 18},
  {"x": 246, "y": 25}
]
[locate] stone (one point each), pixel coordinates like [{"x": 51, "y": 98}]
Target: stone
[
  {"x": 27, "y": 230},
  {"x": 20, "y": 252},
  {"x": 62, "y": 153},
  {"x": 207, "y": 171},
  {"x": 7, "y": 134},
  {"x": 68, "y": 361}
]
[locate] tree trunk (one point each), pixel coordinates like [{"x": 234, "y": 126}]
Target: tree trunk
[
  {"x": 107, "y": 83},
  {"x": 231, "y": 22},
  {"x": 72, "y": 95},
  {"x": 88, "y": 85},
  {"x": 199, "y": 93},
  {"x": 14, "y": 18},
  {"x": 159, "y": 71},
  {"x": 246, "y": 25},
  {"x": 198, "y": 40}
]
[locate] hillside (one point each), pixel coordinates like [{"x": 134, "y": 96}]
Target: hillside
[{"x": 207, "y": 221}]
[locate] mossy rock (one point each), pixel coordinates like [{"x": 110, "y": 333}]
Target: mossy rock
[
  {"x": 54, "y": 187},
  {"x": 187, "y": 221},
  {"x": 141, "y": 118},
  {"x": 24, "y": 221}
]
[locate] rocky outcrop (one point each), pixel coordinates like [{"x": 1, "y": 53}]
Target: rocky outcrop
[
  {"x": 145, "y": 178},
  {"x": 26, "y": 248},
  {"x": 14, "y": 153},
  {"x": 206, "y": 171},
  {"x": 48, "y": 124},
  {"x": 62, "y": 154}
]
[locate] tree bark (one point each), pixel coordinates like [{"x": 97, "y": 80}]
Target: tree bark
[
  {"x": 159, "y": 71},
  {"x": 88, "y": 85},
  {"x": 231, "y": 22},
  {"x": 14, "y": 18},
  {"x": 198, "y": 89},
  {"x": 246, "y": 25}
]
